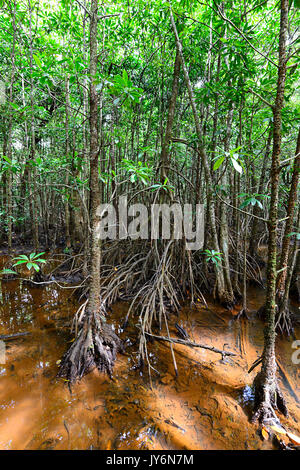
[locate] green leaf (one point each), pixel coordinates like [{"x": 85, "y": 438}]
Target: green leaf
[
  {"x": 7, "y": 159},
  {"x": 218, "y": 163},
  {"x": 8, "y": 271},
  {"x": 37, "y": 61},
  {"x": 294, "y": 233},
  {"x": 20, "y": 262}
]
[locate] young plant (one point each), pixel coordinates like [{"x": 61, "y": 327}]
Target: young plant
[
  {"x": 214, "y": 256},
  {"x": 31, "y": 261}
]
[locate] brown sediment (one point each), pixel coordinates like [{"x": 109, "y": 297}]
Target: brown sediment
[{"x": 206, "y": 407}]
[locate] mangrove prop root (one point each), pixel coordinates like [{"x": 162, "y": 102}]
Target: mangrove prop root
[
  {"x": 284, "y": 321},
  {"x": 96, "y": 346},
  {"x": 268, "y": 398}
]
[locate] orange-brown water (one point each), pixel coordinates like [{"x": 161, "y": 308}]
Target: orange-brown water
[{"x": 206, "y": 407}]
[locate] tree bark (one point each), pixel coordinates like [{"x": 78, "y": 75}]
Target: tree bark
[
  {"x": 96, "y": 344},
  {"x": 267, "y": 393},
  {"x": 289, "y": 223}
]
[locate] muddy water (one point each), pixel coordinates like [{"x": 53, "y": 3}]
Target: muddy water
[{"x": 206, "y": 407}]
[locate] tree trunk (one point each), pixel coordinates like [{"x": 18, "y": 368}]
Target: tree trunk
[
  {"x": 33, "y": 139},
  {"x": 164, "y": 159},
  {"x": 268, "y": 396},
  {"x": 67, "y": 209},
  {"x": 289, "y": 223},
  {"x": 9, "y": 136},
  {"x": 256, "y": 209},
  {"x": 221, "y": 291},
  {"x": 96, "y": 344}
]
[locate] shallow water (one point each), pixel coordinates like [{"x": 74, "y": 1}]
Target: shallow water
[{"x": 206, "y": 407}]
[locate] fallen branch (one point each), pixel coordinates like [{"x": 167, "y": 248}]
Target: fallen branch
[
  {"x": 14, "y": 336},
  {"x": 192, "y": 345}
]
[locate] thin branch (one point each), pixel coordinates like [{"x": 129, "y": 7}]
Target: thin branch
[
  {"x": 243, "y": 212},
  {"x": 261, "y": 98},
  {"x": 218, "y": 11},
  {"x": 192, "y": 344}
]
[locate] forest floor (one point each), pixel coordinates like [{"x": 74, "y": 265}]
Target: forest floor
[{"x": 206, "y": 407}]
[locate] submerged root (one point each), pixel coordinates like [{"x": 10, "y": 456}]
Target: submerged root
[
  {"x": 96, "y": 346},
  {"x": 268, "y": 398}
]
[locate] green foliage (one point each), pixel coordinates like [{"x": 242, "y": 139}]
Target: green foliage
[
  {"x": 31, "y": 261},
  {"x": 7, "y": 271},
  {"x": 137, "y": 171},
  {"x": 213, "y": 256},
  {"x": 252, "y": 199},
  {"x": 124, "y": 90},
  {"x": 297, "y": 234},
  {"x": 231, "y": 156},
  {"x": 162, "y": 186}
]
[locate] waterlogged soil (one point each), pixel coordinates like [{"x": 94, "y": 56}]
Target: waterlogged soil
[{"x": 206, "y": 407}]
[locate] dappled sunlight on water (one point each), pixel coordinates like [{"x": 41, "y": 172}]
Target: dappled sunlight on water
[{"x": 206, "y": 407}]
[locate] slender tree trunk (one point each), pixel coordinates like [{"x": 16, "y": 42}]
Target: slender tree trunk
[
  {"x": 85, "y": 150},
  {"x": 289, "y": 223},
  {"x": 66, "y": 203},
  {"x": 96, "y": 344},
  {"x": 267, "y": 393},
  {"x": 33, "y": 138},
  {"x": 256, "y": 209},
  {"x": 284, "y": 319},
  {"x": 224, "y": 238},
  {"x": 221, "y": 291},
  {"x": 165, "y": 154},
  {"x": 9, "y": 135},
  {"x": 95, "y": 258}
]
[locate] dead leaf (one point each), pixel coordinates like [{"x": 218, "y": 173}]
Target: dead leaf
[
  {"x": 264, "y": 433},
  {"x": 108, "y": 445}
]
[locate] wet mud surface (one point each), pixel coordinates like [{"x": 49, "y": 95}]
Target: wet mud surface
[{"x": 206, "y": 407}]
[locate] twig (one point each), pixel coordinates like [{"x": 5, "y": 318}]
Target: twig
[{"x": 192, "y": 344}]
